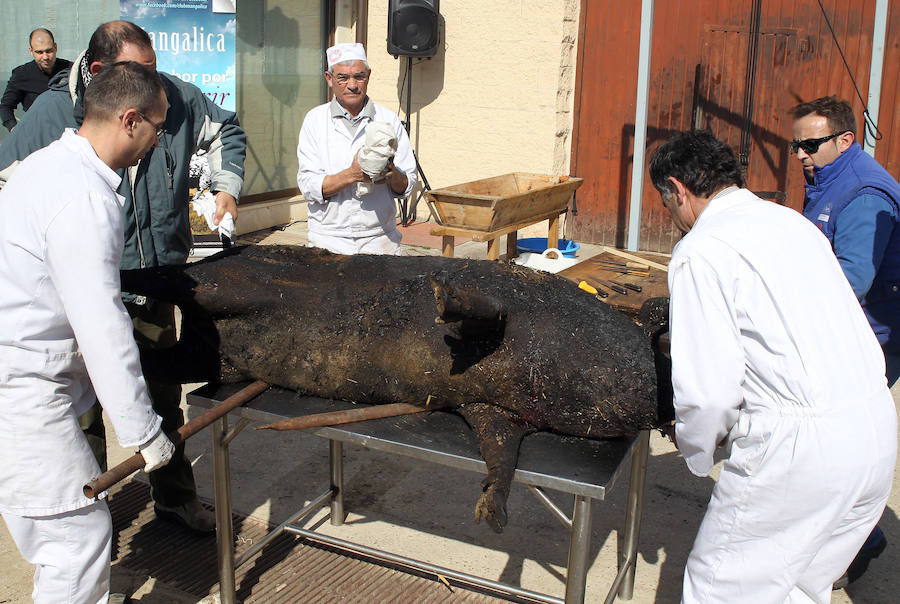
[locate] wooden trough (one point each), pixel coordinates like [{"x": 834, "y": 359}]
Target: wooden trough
[{"x": 486, "y": 209}]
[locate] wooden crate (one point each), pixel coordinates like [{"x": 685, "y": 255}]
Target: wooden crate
[{"x": 493, "y": 203}]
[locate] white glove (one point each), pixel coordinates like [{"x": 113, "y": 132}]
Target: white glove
[
  {"x": 157, "y": 451},
  {"x": 205, "y": 205},
  {"x": 380, "y": 147}
]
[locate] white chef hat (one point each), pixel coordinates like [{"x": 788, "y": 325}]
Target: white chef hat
[{"x": 346, "y": 51}]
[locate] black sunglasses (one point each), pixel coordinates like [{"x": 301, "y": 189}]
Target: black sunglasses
[{"x": 811, "y": 145}]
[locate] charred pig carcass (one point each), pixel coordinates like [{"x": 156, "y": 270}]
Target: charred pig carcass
[{"x": 512, "y": 350}]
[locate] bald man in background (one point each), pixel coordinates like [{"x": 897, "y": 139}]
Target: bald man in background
[{"x": 31, "y": 79}]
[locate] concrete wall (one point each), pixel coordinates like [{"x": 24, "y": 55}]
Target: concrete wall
[{"x": 498, "y": 95}]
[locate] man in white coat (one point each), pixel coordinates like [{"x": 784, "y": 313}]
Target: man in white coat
[
  {"x": 352, "y": 211},
  {"x": 64, "y": 335},
  {"x": 773, "y": 358}
]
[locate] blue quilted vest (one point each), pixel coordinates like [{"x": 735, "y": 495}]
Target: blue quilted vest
[{"x": 852, "y": 174}]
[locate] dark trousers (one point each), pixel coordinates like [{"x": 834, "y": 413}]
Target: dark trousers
[{"x": 173, "y": 484}]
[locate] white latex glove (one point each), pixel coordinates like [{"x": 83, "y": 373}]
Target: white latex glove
[
  {"x": 157, "y": 451},
  {"x": 205, "y": 205},
  {"x": 380, "y": 147}
]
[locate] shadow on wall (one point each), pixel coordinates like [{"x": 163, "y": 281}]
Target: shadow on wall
[{"x": 280, "y": 35}]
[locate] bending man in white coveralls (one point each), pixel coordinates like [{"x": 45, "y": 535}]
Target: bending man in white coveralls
[
  {"x": 348, "y": 212},
  {"x": 64, "y": 335},
  {"x": 772, "y": 357}
]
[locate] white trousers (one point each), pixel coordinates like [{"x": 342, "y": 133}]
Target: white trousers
[
  {"x": 793, "y": 504},
  {"x": 70, "y": 551},
  {"x": 385, "y": 245}
]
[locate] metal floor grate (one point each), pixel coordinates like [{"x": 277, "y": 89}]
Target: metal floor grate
[{"x": 287, "y": 570}]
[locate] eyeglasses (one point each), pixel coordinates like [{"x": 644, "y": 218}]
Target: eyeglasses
[
  {"x": 811, "y": 145},
  {"x": 160, "y": 127},
  {"x": 343, "y": 78}
]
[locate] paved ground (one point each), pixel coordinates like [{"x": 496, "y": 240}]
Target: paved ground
[{"x": 406, "y": 507}]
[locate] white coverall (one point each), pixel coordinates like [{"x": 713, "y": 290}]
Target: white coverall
[
  {"x": 772, "y": 353},
  {"x": 64, "y": 334},
  {"x": 345, "y": 223}
]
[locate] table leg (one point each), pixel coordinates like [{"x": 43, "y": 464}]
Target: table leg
[
  {"x": 633, "y": 510},
  {"x": 493, "y": 252},
  {"x": 579, "y": 548},
  {"x": 511, "y": 240},
  {"x": 224, "y": 526},
  {"x": 448, "y": 243},
  {"x": 336, "y": 454},
  {"x": 553, "y": 233}
]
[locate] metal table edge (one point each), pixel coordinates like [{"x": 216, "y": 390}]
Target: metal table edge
[{"x": 565, "y": 485}]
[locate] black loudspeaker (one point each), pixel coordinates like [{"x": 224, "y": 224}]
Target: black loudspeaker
[{"x": 413, "y": 27}]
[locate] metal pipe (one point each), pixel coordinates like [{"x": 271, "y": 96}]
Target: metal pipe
[
  {"x": 614, "y": 588},
  {"x": 579, "y": 548},
  {"x": 550, "y": 505},
  {"x": 424, "y": 566},
  {"x": 311, "y": 507},
  {"x": 336, "y": 461},
  {"x": 237, "y": 429},
  {"x": 634, "y": 505},
  {"x": 408, "y": 93},
  {"x": 224, "y": 526},
  {"x": 136, "y": 461},
  {"x": 875, "y": 72},
  {"x": 640, "y": 126}
]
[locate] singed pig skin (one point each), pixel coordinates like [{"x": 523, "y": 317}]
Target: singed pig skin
[{"x": 475, "y": 335}]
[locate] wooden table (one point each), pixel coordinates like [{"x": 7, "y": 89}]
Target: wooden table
[
  {"x": 655, "y": 284},
  {"x": 449, "y": 235}
]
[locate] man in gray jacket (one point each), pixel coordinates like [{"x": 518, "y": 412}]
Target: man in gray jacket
[{"x": 156, "y": 218}]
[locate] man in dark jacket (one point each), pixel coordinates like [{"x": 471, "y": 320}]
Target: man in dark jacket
[
  {"x": 156, "y": 217},
  {"x": 855, "y": 202},
  {"x": 31, "y": 79}
]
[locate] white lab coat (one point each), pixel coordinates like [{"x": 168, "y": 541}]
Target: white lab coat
[
  {"x": 326, "y": 147},
  {"x": 772, "y": 353},
  {"x": 62, "y": 328}
]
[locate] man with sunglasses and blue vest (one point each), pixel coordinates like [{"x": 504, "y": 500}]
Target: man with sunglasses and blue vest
[{"x": 855, "y": 202}]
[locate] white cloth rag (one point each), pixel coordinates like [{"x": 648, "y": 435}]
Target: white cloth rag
[
  {"x": 205, "y": 205},
  {"x": 380, "y": 147}
]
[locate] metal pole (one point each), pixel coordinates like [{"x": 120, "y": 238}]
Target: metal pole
[
  {"x": 336, "y": 453},
  {"x": 640, "y": 125},
  {"x": 633, "y": 510},
  {"x": 224, "y": 527},
  {"x": 579, "y": 548},
  {"x": 408, "y": 92},
  {"x": 875, "y": 73},
  {"x": 427, "y": 567}
]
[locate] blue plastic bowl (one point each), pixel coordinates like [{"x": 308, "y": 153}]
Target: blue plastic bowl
[{"x": 539, "y": 244}]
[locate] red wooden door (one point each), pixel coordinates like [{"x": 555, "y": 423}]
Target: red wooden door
[{"x": 698, "y": 78}]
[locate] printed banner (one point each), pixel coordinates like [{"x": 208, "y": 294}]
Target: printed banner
[{"x": 194, "y": 40}]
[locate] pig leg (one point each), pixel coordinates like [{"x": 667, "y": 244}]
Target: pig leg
[{"x": 500, "y": 433}]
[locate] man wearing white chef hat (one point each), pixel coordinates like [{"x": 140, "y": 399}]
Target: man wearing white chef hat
[{"x": 355, "y": 158}]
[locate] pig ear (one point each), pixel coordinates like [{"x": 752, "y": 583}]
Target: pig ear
[{"x": 457, "y": 304}]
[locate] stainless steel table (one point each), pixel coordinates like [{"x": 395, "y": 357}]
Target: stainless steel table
[{"x": 585, "y": 468}]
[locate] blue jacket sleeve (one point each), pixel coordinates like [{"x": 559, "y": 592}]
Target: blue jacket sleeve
[{"x": 861, "y": 235}]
